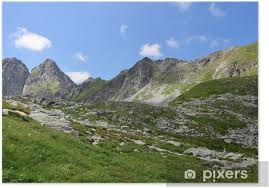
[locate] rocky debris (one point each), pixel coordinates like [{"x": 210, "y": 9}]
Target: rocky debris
[
  {"x": 224, "y": 160},
  {"x": 7, "y": 112},
  {"x": 51, "y": 118},
  {"x": 89, "y": 123},
  {"x": 232, "y": 165},
  {"x": 177, "y": 126},
  {"x": 178, "y": 144},
  {"x": 95, "y": 139},
  {"x": 48, "y": 81},
  {"x": 226, "y": 164},
  {"x": 124, "y": 127},
  {"x": 14, "y": 75},
  {"x": 164, "y": 150},
  {"x": 207, "y": 153},
  {"x": 139, "y": 142},
  {"x": 247, "y": 136}
]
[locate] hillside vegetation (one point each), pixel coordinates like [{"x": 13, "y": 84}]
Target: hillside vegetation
[{"x": 236, "y": 86}]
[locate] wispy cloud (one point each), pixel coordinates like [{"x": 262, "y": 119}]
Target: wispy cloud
[
  {"x": 23, "y": 38},
  {"x": 183, "y": 6},
  {"x": 216, "y": 11},
  {"x": 172, "y": 43},
  {"x": 80, "y": 57},
  {"x": 78, "y": 77},
  {"x": 213, "y": 43},
  {"x": 199, "y": 38},
  {"x": 123, "y": 28},
  {"x": 150, "y": 50}
]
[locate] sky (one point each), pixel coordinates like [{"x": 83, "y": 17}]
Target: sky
[{"x": 101, "y": 39}]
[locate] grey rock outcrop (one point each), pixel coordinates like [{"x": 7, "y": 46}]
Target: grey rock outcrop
[
  {"x": 14, "y": 76},
  {"x": 48, "y": 81}
]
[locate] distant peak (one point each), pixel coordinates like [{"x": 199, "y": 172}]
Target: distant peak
[
  {"x": 171, "y": 59},
  {"x": 49, "y": 61},
  {"x": 12, "y": 59},
  {"x": 143, "y": 62},
  {"x": 88, "y": 79},
  {"x": 146, "y": 59}
]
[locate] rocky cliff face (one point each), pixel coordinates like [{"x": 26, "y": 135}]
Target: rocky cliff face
[
  {"x": 14, "y": 76},
  {"x": 48, "y": 81}
]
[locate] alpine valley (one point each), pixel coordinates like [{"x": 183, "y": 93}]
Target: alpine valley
[{"x": 149, "y": 123}]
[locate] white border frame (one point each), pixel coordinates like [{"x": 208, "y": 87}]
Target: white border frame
[{"x": 263, "y": 41}]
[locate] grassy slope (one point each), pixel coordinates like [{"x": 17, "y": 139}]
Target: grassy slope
[
  {"x": 32, "y": 153},
  {"x": 236, "y": 85}
]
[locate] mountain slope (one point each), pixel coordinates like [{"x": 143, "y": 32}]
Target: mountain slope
[
  {"x": 161, "y": 81},
  {"x": 235, "y": 86},
  {"x": 87, "y": 88},
  {"x": 48, "y": 81},
  {"x": 14, "y": 74},
  {"x": 229, "y": 106},
  {"x": 173, "y": 77},
  {"x": 125, "y": 84}
]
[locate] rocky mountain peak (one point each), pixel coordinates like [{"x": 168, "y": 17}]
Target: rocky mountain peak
[
  {"x": 88, "y": 80},
  {"x": 11, "y": 60},
  {"x": 143, "y": 62},
  {"x": 14, "y": 75},
  {"x": 48, "y": 81},
  {"x": 48, "y": 66}
]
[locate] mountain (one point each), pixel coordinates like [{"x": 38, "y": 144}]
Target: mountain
[
  {"x": 48, "y": 81},
  {"x": 161, "y": 81},
  {"x": 126, "y": 83},
  {"x": 14, "y": 76},
  {"x": 155, "y": 82},
  {"x": 87, "y": 88}
]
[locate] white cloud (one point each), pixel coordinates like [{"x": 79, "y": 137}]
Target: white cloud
[
  {"x": 151, "y": 50},
  {"x": 184, "y": 6},
  {"x": 80, "y": 56},
  {"x": 216, "y": 11},
  {"x": 123, "y": 28},
  {"x": 172, "y": 43},
  {"x": 199, "y": 38},
  {"x": 78, "y": 77},
  {"x": 31, "y": 41}
]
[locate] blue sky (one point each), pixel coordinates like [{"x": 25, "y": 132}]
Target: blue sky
[{"x": 101, "y": 39}]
